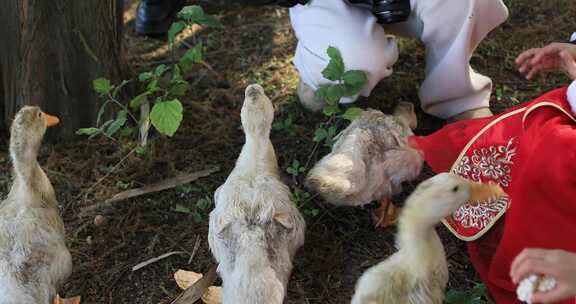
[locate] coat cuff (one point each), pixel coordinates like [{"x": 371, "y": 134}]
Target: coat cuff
[
  {"x": 572, "y": 96},
  {"x": 573, "y": 38}
]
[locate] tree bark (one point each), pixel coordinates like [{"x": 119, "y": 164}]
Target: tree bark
[{"x": 50, "y": 53}]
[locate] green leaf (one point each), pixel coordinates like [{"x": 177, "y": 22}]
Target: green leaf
[
  {"x": 140, "y": 99},
  {"x": 191, "y": 57},
  {"x": 106, "y": 124},
  {"x": 331, "y": 133},
  {"x": 313, "y": 212},
  {"x": 354, "y": 81},
  {"x": 102, "y": 86},
  {"x": 153, "y": 85},
  {"x": 195, "y": 14},
  {"x": 118, "y": 123},
  {"x": 127, "y": 131},
  {"x": 335, "y": 68},
  {"x": 101, "y": 113},
  {"x": 322, "y": 92},
  {"x": 181, "y": 209},
  {"x": 331, "y": 109},
  {"x": 197, "y": 217},
  {"x": 88, "y": 131},
  {"x": 352, "y": 113},
  {"x": 161, "y": 69},
  {"x": 145, "y": 76},
  {"x": 320, "y": 134},
  {"x": 166, "y": 116},
  {"x": 140, "y": 150},
  {"x": 176, "y": 74},
  {"x": 334, "y": 93},
  {"x": 119, "y": 87},
  {"x": 203, "y": 203},
  {"x": 179, "y": 88},
  {"x": 175, "y": 28}
]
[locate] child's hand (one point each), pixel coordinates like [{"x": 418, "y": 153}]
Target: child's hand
[
  {"x": 555, "y": 56},
  {"x": 558, "y": 264}
]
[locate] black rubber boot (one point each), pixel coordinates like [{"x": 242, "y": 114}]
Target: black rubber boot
[{"x": 154, "y": 17}]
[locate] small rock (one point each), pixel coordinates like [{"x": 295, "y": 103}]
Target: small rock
[{"x": 100, "y": 220}]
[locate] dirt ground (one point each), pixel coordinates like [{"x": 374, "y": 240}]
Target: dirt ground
[{"x": 256, "y": 45}]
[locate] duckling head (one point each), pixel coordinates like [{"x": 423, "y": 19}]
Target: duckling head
[
  {"x": 404, "y": 112},
  {"x": 441, "y": 195},
  {"x": 257, "y": 112},
  {"x": 26, "y": 133}
]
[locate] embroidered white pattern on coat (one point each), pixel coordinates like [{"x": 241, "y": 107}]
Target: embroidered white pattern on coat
[{"x": 485, "y": 164}]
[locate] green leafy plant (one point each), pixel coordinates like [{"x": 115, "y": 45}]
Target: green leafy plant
[
  {"x": 286, "y": 125},
  {"x": 345, "y": 84},
  {"x": 477, "y": 295},
  {"x": 301, "y": 199},
  {"x": 200, "y": 210},
  {"x": 158, "y": 100},
  {"x": 295, "y": 169}
]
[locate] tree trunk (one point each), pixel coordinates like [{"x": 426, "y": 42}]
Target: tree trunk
[{"x": 51, "y": 51}]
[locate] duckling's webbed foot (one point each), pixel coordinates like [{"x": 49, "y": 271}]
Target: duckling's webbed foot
[{"x": 386, "y": 215}]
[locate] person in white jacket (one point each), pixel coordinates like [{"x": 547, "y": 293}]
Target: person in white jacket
[{"x": 450, "y": 29}]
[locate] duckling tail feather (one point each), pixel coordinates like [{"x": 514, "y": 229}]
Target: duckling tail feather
[{"x": 253, "y": 280}]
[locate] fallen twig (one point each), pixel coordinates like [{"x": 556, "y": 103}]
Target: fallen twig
[
  {"x": 196, "y": 290},
  {"x": 195, "y": 249},
  {"x": 156, "y": 259},
  {"x": 163, "y": 185},
  {"x": 107, "y": 174}
]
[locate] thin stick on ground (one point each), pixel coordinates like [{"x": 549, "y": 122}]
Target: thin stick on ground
[
  {"x": 109, "y": 173},
  {"x": 163, "y": 185},
  {"x": 195, "y": 249},
  {"x": 156, "y": 259}
]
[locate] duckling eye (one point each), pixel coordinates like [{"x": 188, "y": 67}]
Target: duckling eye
[
  {"x": 455, "y": 189},
  {"x": 39, "y": 114}
]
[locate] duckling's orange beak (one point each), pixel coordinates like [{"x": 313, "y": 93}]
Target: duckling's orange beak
[
  {"x": 480, "y": 192},
  {"x": 51, "y": 120}
]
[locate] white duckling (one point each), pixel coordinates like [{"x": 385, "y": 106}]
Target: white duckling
[
  {"x": 418, "y": 272},
  {"x": 370, "y": 161},
  {"x": 34, "y": 260},
  {"x": 255, "y": 228}
]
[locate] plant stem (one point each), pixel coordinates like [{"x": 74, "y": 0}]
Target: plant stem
[{"x": 122, "y": 106}]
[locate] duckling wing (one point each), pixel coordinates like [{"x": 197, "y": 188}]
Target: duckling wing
[
  {"x": 285, "y": 213},
  {"x": 402, "y": 164},
  {"x": 220, "y": 219},
  {"x": 33, "y": 254}
]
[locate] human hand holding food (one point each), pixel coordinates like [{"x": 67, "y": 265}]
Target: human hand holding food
[{"x": 557, "y": 264}]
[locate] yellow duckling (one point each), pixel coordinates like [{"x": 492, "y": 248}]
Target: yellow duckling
[
  {"x": 34, "y": 260},
  {"x": 418, "y": 272}
]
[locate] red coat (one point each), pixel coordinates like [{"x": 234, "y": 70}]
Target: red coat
[{"x": 530, "y": 151}]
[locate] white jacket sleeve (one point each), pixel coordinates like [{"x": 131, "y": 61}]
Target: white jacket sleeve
[{"x": 572, "y": 96}]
